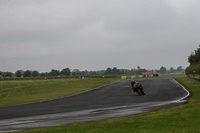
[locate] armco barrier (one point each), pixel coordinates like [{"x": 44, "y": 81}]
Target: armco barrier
[
  {"x": 123, "y": 77},
  {"x": 131, "y": 77}
]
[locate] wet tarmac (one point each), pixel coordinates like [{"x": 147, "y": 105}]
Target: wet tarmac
[{"x": 109, "y": 101}]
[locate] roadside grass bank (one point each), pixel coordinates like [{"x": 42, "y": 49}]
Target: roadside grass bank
[
  {"x": 173, "y": 75},
  {"x": 163, "y": 75},
  {"x": 20, "y": 92},
  {"x": 182, "y": 119}
]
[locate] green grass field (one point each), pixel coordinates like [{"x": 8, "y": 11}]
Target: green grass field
[
  {"x": 19, "y": 92},
  {"x": 181, "y": 119}
]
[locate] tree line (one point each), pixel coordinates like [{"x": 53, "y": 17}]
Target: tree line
[
  {"x": 194, "y": 57},
  {"x": 194, "y": 60},
  {"x": 75, "y": 72}
]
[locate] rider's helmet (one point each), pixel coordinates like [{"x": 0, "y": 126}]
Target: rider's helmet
[{"x": 132, "y": 82}]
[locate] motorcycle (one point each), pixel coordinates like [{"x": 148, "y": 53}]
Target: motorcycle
[
  {"x": 137, "y": 87},
  {"x": 140, "y": 91}
]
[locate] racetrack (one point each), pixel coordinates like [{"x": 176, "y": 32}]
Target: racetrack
[{"x": 113, "y": 100}]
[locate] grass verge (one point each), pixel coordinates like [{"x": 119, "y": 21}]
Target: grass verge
[
  {"x": 181, "y": 119},
  {"x": 19, "y": 92},
  {"x": 172, "y": 75}
]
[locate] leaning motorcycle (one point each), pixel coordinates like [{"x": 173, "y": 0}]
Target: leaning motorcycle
[
  {"x": 140, "y": 91},
  {"x": 137, "y": 87}
]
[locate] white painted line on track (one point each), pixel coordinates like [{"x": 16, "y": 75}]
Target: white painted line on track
[
  {"x": 175, "y": 101},
  {"x": 188, "y": 93}
]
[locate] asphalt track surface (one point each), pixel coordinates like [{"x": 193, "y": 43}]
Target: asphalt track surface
[{"x": 113, "y": 100}]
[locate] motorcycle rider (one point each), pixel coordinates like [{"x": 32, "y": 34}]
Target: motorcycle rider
[{"x": 135, "y": 85}]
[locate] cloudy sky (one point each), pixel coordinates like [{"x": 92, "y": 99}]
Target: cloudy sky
[{"x": 97, "y": 34}]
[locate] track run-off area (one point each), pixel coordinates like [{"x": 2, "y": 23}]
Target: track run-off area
[{"x": 113, "y": 100}]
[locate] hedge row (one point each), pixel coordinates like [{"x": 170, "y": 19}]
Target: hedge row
[
  {"x": 62, "y": 77},
  {"x": 35, "y": 78},
  {"x": 193, "y": 69}
]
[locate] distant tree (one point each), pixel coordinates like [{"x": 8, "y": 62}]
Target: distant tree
[
  {"x": 157, "y": 71},
  {"x": 101, "y": 72},
  {"x": 171, "y": 70},
  {"x": 138, "y": 67},
  {"x": 8, "y": 74},
  {"x": 93, "y": 73},
  {"x": 194, "y": 57},
  {"x": 115, "y": 71},
  {"x": 65, "y": 72},
  {"x": 73, "y": 73},
  {"x": 125, "y": 72},
  {"x": 76, "y": 72},
  {"x": 180, "y": 69},
  {"x": 133, "y": 71},
  {"x": 35, "y": 73},
  {"x": 163, "y": 70},
  {"x": 1, "y": 73},
  {"x": 44, "y": 74},
  {"x": 19, "y": 73},
  {"x": 85, "y": 72},
  {"x": 191, "y": 58},
  {"x": 54, "y": 72},
  {"x": 140, "y": 70},
  {"x": 27, "y": 73},
  {"x": 108, "y": 71}
]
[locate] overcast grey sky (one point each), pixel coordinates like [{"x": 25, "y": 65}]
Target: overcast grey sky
[{"x": 97, "y": 34}]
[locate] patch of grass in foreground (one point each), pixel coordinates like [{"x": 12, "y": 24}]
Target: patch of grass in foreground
[
  {"x": 19, "y": 92},
  {"x": 180, "y": 119}
]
